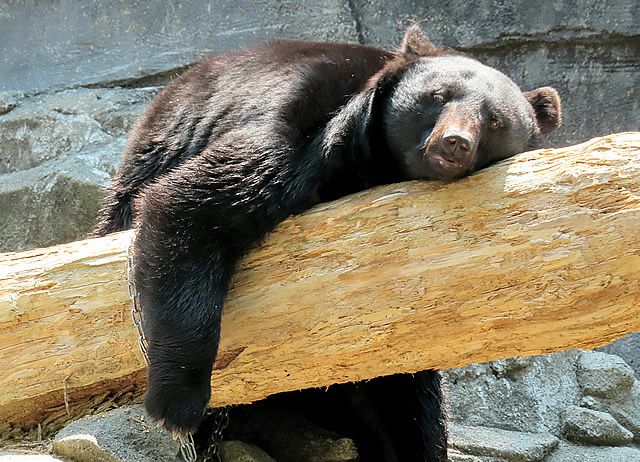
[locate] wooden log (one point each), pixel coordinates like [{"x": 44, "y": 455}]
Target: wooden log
[{"x": 534, "y": 255}]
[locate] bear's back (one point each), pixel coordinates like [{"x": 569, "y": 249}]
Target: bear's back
[
  {"x": 282, "y": 91},
  {"x": 282, "y": 81}
]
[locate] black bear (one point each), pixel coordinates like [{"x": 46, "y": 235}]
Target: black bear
[{"x": 242, "y": 141}]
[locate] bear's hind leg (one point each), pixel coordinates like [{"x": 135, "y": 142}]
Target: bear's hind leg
[
  {"x": 116, "y": 213},
  {"x": 433, "y": 421},
  {"x": 398, "y": 418}
]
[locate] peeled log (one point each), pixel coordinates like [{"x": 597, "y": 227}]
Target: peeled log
[{"x": 538, "y": 254}]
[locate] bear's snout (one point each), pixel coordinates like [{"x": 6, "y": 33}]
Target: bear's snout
[{"x": 456, "y": 144}]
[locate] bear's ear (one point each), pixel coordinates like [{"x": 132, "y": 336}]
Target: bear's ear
[
  {"x": 546, "y": 105},
  {"x": 416, "y": 44}
]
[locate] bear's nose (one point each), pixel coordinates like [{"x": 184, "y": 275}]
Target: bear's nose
[{"x": 456, "y": 144}]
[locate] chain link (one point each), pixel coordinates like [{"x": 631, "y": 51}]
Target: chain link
[
  {"x": 188, "y": 448},
  {"x": 220, "y": 422},
  {"x": 136, "y": 311},
  {"x": 221, "y": 419}
]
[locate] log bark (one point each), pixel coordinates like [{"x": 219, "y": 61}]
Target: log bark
[{"x": 537, "y": 254}]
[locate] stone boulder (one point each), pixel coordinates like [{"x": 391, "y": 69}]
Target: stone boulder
[
  {"x": 501, "y": 444},
  {"x": 57, "y": 153},
  {"x": 122, "y": 435},
  {"x": 238, "y": 451},
  {"x": 625, "y": 409},
  {"x": 587, "y": 398},
  {"x": 515, "y": 394},
  {"x": 594, "y": 427},
  {"x": 572, "y": 453},
  {"x": 603, "y": 375}
]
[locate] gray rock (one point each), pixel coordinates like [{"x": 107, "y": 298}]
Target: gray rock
[
  {"x": 122, "y": 435},
  {"x": 7, "y": 457},
  {"x": 526, "y": 394},
  {"x": 69, "y": 123},
  {"x": 508, "y": 445},
  {"x": 60, "y": 207},
  {"x": 315, "y": 446},
  {"x": 571, "y": 453},
  {"x": 604, "y": 375},
  {"x": 83, "y": 448},
  {"x": 112, "y": 41},
  {"x": 625, "y": 409},
  {"x": 456, "y": 456},
  {"x": 9, "y": 100},
  {"x": 238, "y": 451},
  {"x": 57, "y": 152},
  {"x": 627, "y": 348},
  {"x": 476, "y": 24},
  {"x": 594, "y": 427},
  {"x": 575, "y": 69}
]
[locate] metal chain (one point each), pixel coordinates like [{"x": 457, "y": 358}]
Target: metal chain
[
  {"x": 187, "y": 445},
  {"x": 220, "y": 422},
  {"x": 136, "y": 311},
  {"x": 188, "y": 448}
]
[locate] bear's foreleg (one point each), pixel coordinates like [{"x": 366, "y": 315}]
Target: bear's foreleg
[
  {"x": 182, "y": 295},
  {"x": 194, "y": 224}
]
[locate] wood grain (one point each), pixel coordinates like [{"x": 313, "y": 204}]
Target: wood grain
[{"x": 537, "y": 254}]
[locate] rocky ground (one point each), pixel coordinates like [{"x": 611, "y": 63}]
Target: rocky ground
[{"x": 573, "y": 406}]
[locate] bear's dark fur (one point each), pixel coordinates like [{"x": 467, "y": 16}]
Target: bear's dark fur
[{"x": 242, "y": 141}]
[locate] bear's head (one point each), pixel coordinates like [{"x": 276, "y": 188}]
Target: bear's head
[{"x": 446, "y": 115}]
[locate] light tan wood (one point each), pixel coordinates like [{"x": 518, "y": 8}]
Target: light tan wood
[{"x": 537, "y": 254}]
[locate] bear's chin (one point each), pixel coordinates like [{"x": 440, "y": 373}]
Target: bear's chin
[{"x": 438, "y": 167}]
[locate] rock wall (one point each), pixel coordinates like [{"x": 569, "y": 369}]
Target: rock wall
[
  {"x": 75, "y": 75},
  {"x": 569, "y": 406}
]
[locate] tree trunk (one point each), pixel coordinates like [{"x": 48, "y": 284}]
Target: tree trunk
[{"x": 537, "y": 254}]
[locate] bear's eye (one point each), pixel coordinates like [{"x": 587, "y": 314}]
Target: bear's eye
[
  {"x": 439, "y": 97},
  {"x": 494, "y": 123}
]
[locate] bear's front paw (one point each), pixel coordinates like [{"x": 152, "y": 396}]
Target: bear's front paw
[{"x": 178, "y": 408}]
